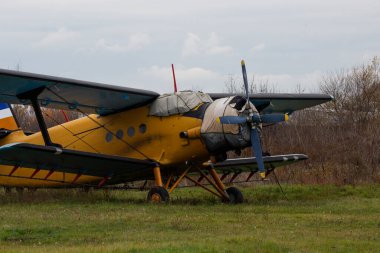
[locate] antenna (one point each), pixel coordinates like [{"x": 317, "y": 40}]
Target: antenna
[
  {"x": 65, "y": 115},
  {"x": 175, "y": 83}
]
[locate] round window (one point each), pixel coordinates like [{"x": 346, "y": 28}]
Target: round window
[
  {"x": 131, "y": 131},
  {"x": 109, "y": 136},
  {"x": 119, "y": 134},
  {"x": 142, "y": 128}
]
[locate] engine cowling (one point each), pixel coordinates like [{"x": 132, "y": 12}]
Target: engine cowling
[{"x": 220, "y": 138}]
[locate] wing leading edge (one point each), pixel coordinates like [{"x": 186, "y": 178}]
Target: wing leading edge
[
  {"x": 64, "y": 93},
  {"x": 117, "y": 169}
]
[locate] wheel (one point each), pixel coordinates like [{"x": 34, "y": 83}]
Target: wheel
[
  {"x": 158, "y": 195},
  {"x": 236, "y": 197}
]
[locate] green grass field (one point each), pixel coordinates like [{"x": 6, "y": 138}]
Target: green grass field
[{"x": 309, "y": 219}]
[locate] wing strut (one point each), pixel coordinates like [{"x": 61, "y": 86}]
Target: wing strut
[{"x": 32, "y": 95}]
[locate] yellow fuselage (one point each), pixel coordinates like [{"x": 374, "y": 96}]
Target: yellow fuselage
[{"x": 134, "y": 134}]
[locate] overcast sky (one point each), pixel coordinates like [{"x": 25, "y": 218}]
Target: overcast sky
[{"x": 133, "y": 43}]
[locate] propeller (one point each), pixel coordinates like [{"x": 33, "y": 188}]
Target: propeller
[{"x": 253, "y": 119}]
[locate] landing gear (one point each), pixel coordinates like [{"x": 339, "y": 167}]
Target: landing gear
[
  {"x": 235, "y": 195},
  {"x": 158, "y": 194},
  {"x": 215, "y": 185}
]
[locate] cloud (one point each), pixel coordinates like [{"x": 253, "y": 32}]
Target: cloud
[
  {"x": 308, "y": 82},
  {"x": 206, "y": 80},
  {"x": 138, "y": 41},
  {"x": 135, "y": 42},
  {"x": 286, "y": 38},
  {"x": 60, "y": 37},
  {"x": 258, "y": 47},
  {"x": 102, "y": 44},
  {"x": 194, "y": 45},
  {"x": 194, "y": 78}
]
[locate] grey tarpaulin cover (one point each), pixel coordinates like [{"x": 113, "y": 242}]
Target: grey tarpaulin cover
[{"x": 177, "y": 103}]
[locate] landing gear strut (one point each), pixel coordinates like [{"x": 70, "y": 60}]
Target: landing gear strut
[
  {"x": 158, "y": 193},
  {"x": 216, "y": 187}
]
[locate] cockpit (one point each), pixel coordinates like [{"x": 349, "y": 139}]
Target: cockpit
[{"x": 178, "y": 103}]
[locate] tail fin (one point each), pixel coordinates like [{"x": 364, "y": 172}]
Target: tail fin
[{"x": 7, "y": 120}]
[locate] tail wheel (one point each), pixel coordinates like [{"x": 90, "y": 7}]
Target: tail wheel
[
  {"x": 235, "y": 195},
  {"x": 158, "y": 194}
]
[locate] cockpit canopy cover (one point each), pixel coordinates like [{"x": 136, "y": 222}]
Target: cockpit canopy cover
[{"x": 178, "y": 103}]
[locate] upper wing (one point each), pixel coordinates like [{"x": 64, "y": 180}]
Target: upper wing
[
  {"x": 64, "y": 93},
  {"x": 117, "y": 169},
  {"x": 281, "y": 103},
  {"x": 250, "y": 164}
]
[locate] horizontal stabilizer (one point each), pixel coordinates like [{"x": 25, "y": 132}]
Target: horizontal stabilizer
[
  {"x": 118, "y": 169},
  {"x": 250, "y": 164}
]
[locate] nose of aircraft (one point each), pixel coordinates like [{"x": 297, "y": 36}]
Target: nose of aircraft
[
  {"x": 253, "y": 120},
  {"x": 220, "y": 138}
]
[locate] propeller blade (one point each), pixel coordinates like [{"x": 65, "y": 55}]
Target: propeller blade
[
  {"x": 274, "y": 118},
  {"x": 232, "y": 120},
  {"x": 256, "y": 148},
  {"x": 245, "y": 80}
]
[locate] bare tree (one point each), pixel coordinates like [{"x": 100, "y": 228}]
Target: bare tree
[{"x": 235, "y": 85}]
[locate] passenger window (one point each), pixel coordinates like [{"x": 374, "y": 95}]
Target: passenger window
[
  {"x": 109, "y": 136},
  {"x": 142, "y": 128},
  {"x": 131, "y": 131},
  {"x": 119, "y": 134}
]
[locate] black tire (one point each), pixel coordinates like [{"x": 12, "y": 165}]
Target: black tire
[
  {"x": 236, "y": 197},
  {"x": 158, "y": 195}
]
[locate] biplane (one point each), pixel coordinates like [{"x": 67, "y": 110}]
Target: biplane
[{"x": 129, "y": 134}]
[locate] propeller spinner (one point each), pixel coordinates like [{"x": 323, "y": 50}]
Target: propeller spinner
[{"x": 253, "y": 119}]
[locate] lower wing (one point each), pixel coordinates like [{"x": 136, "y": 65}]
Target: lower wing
[
  {"x": 115, "y": 169},
  {"x": 250, "y": 164}
]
